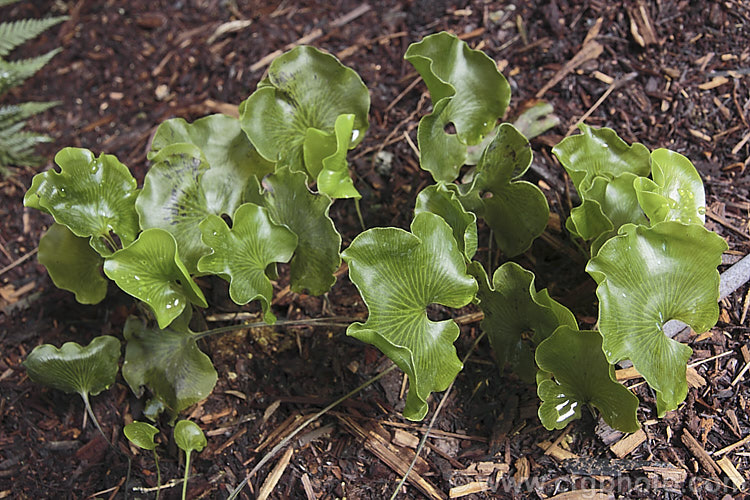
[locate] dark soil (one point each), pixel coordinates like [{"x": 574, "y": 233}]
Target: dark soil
[{"x": 127, "y": 66}]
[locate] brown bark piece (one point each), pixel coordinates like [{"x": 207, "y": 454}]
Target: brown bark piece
[
  {"x": 589, "y": 494},
  {"x": 590, "y": 50},
  {"x": 730, "y": 470},
  {"x": 273, "y": 478},
  {"x": 626, "y": 445},
  {"x": 700, "y": 454},
  {"x": 468, "y": 489}
]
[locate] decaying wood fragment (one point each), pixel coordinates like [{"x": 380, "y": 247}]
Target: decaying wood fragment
[
  {"x": 641, "y": 26},
  {"x": 626, "y": 445},
  {"x": 590, "y": 50},
  {"x": 700, "y": 454},
  {"x": 556, "y": 452},
  {"x": 588, "y": 494},
  {"x": 468, "y": 489},
  {"x": 731, "y": 471},
  {"x": 273, "y": 478}
]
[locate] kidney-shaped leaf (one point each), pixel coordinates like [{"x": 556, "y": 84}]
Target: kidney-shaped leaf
[
  {"x": 516, "y": 210},
  {"x": 189, "y": 437},
  {"x": 75, "y": 369},
  {"x": 169, "y": 363},
  {"x": 241, "y": 254},
  {"x": 72, "y": 264},
  {"x": 305, "y": 88},
  {"x": 476, "y": 95},
  {"x": 443, "y": 202},
  {"x": 398, "y": 275},
  {"x": 151, "y": 270},
  {"x": 582, "y": 376},
  {"x": 600, "y": 152},
  {"x": 516, "y": 316},
  {"x": 676, "y": 193},
  {"x": 141, "y": 434},
  {"x": 291, "y": 204},
  {"x": 646, "y": 277},
  {"x": 92, "y": 196}
]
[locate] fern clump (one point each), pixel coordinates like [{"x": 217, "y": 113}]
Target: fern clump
[{"x": 17, "y": 144}]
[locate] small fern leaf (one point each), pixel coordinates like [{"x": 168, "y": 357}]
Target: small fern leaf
[
  {"x": 14, "y": 73},
  {"x": 14, "y": 33},
  {"x": 18, "y": 148},
  {"x": 7, "y": 2}
]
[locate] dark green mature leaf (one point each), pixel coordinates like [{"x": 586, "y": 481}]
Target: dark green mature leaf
[
  {"x": 398, "y": 275},
  {"x": 476, "y": 95},
  {"x": 582, "y": 376},
  {"x": 176, "y": 194},
  {"x": 600, "y": 152},
  {"x": 72, "y": 264},
  {"x": 647, "y": 276},
  {"x": 438, "y": 200},
  {"x": 169, "y": 363},
  {"x": 151, "y": 270},
  {"x": 73, "y": 368},
  {"x": 516, "y": 210},
  {"x": 291, "y": 204},
  {"x": 92, "y": 196},
  {"x": 189, "y": 437},
  {"x": 517, "y": 317},
  {"x": 241, "y": 254},
  {"x": 141, "y": 434},
  {"x": 305, "y": 89},
  {"x": 676, "y": 193}
]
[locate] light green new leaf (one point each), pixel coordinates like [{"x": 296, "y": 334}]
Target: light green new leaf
[
  {"x": 647, "y": 276},
  {"x": 398, "y": 275},
  {"x": 305, "y": 88},
  {"x": 600, "y": 152},
  {"x": 291, "y": 204},
  {"x": 608, "y": 204},
  {"x": 241, "y": 254},
  {"x": 93, "y": 197},
  {"x": 189, "y": 437},
  {"x": 75, "y": 369},
  {"x": 443, "y": 202},
  {"x": 151, "y": 270},
  {"x": 141, "y": 434},
  {"x": 582, "y": 376},
  {"x": 516, "y": 210},
  {"x": 333, "y": 178},
  {"x": 466, "y": 90},
  {"x": 232, "y": 158},
  {"x": 169, "y": 363},
  {"x": 72, "y": 264},
  {"x": 676, "y": 193},
  {"x": 178, "y": 194},
  {"x": 517, "y": 317}
]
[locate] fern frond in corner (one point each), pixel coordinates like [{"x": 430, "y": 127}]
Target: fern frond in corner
[
  {"x": 7, "y": 2},
  {"x": 14, "y": 33},
  {"x": 14, "y": 73}
]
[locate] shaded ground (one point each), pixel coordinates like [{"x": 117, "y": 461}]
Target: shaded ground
[{"x": 127, "y": 66}]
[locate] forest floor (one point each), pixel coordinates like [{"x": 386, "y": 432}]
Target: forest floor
[{"x": 669, "y": 73}]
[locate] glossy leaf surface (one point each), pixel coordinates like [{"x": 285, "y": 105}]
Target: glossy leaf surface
[
  {"x": 333, "y": 178},
  {"x": 189, "y": 437},
  {"x": 72, "y": 264},
  {"x": 291, "y": 204},
  {"x": 516, "y": 210},
  {"x": 443, "y": 202},
  {"x": 676, "y": 191},
  {"x": 305, "y": 89},
  {"x": 517, "y": 317},
  {"x": 600, "y": 152},
  {"x": 73, "y": 368},
  {"x": 151, "y": 270},
  {"x": 476, "y": 95},
  {"x": 582, "y": 376},
  {"x": 398, "y": 275},
  {"x": 141, "y": 434},
  {"x": 241, "y": 254},
  {"x": 647, "y": 276},
  {"x": 169, "y": 363},
  {"x": 92, "y": 196}
]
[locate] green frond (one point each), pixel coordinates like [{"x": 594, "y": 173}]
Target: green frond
[
  {"x": 14, "y": 73},
  {"x": 17, "y": 147},
  {"x": 7, "y": 2},
  {"x": 14, "y": 33},
  {"x": 14, "y": 113}
]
